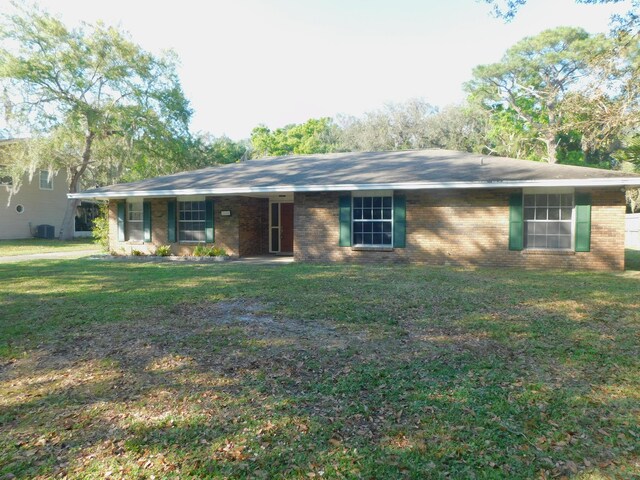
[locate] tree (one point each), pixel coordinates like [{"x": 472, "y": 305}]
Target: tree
[
  {"x": 535, "y": 76},
  {"x": 91, "y": 100},
  {"x": 397, "y": 126},
  {"x": 313, "y": 136},
  {"x": 508, "y": 9}
]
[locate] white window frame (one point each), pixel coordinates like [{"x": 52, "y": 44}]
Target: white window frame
[
  {"x": 371, "y": 194},
  {"x": 48, "y": 181},
  {"x": 135, "y": 217},
  {"x": 180, "y": 223},
  {"x": 550, "y": 191}
]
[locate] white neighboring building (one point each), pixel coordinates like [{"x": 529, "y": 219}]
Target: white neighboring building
[{"x": 40, "y": 202}]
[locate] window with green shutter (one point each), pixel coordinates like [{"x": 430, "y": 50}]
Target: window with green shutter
[
  {"x": 516, "y": 228},
  {"x": 345, "y": 220}
]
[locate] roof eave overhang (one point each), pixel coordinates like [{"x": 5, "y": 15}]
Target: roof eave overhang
[{"x": 591, "y": 182}]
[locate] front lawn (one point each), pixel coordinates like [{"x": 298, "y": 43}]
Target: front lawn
[
  {"x": 130, "y": 370},
  {"x": 39, "y": 245}
]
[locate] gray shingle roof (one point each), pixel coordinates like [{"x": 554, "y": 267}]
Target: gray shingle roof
[{"x": 367, "y": 170}]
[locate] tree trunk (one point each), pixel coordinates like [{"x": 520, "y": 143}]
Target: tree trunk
[
  {"x": 550, "y": 142},
  {"x": 68, "y": 226}
]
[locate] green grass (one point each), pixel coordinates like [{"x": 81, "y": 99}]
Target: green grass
[
  {"x": 39, "y": 245},
  {"x": 130, "y": 370}
]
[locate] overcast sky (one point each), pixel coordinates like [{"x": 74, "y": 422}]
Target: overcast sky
[{"x": 275, "y": 62}]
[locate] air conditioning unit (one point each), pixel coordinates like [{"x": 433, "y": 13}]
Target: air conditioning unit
[{"x": 45, "y": 231}]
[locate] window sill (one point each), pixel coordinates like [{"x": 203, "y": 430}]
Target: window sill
[
  {"x": 545, "y": 251},
  {"x": 372, "y": 249}
]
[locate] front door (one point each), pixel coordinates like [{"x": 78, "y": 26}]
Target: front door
[
  {"x": 286, "y": 228},
  {"x": 281, "y": 228}
]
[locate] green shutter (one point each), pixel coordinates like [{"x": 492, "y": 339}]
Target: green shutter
[
  {"x": 399, "y": 221},
  {"x": 516, "y": 224},
  {"x": 171, "y": 221},
  {"x": 209, "y": 227},
  {"x": 122, "y": 206},
  {"x": 345, "y": 221},
  {"x": 583, "y": 222},
  {"x": 146, "y": 220}
]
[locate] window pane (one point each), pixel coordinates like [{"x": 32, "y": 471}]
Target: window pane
[
  {"x": 275, "y": 220},
  {"x": 377, "y": 202},
  {"x": 529, "y": 200},
  {"x": 567, "y": 200},
  {"x": 357, "y": 239},
  {"x": 554, "y": 200},
  {"x": 386, "y": 214},
  {"x": 541, "y": 200},
  {"x": 529, "y": 213},
  {"x": 377, "y": 213},
  {"x": 366, "y": 214},
  {"x": 566, "y": 213},
  {"x": 366, "y": 202},
  {"x": 357, "y": 213},
  {"x": 386, "y": 202},
  {"x": 541, "y": 213},
  {"x": 564, "y": 241},
  {"x": 565, "y": 228},
  {"x": 357, "y": 227},
  {"x": 553, "y": 228},
  {"x": 367, "y": 227},
  {"x": 357, "y": 202},
  {"x": 376, "y": 227},
  {"x": 386, "y": 238},
  {"x": 552, "y": 241},
  {"x": 274, "y": 239},
  {"x": 554, "y": 214},
  {"x": 386, "y": 227}
]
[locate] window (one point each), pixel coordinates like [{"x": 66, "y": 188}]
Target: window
[
  {"x": 134, "y": 221},
  {"x": 46, "y": 180},
  {"x": 548, "y": 220},
  {"x": 5, "y": 179},
  {"x": 373, "y": 221},
  {"x": 191, "y": 221}
]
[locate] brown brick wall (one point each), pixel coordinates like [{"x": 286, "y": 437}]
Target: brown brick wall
[
  {"x": 226, "y": 228},
  {"x": 253, "y": 226},
  {"x": 458, "y": 227}
]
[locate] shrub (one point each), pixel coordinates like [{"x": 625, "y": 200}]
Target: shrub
[
  {"x": 136, "y": 253},
  {"x": 163, "y": 250},
  {"x": 212, "y": 251},
  {"x": 100, "y": 230},
  {"x": 201, "y": 251}
]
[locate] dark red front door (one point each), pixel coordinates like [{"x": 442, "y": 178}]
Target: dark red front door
[{"x": 286, "y": 227}]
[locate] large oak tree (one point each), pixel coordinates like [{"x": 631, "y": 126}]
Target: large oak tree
[{"x": 90, "y": 102}]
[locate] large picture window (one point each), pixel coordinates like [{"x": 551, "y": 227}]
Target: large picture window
[
  {"x": 191, "y": 221},
  {"x": 373, "y": 221},
  {"x": 134, "y": 221},
  {"x": 548, "y": 220}
]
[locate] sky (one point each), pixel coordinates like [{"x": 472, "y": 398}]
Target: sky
[{"x": 277, "y": 62}]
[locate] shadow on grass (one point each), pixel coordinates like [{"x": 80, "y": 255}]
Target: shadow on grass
[{"x": 342, "y": 371}]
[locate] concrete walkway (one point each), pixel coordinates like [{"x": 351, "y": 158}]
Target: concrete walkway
[{"x": 48, "y": 256}]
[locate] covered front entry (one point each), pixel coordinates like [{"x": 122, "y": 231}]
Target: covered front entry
[{"x": 281, "y": 227}]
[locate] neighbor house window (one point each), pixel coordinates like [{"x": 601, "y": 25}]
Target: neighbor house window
[
  {"x": 373, "y": 221},
  {"x": 548, "y": 220},
  {"x": 191, "y": 221},
  {"x": 134, "y": 221},
  {"x": 46, "y": 180},
  {"x": 5, "y": 179}
]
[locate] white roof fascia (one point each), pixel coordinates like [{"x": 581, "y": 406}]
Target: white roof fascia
[{"x": 590, "y": 182}]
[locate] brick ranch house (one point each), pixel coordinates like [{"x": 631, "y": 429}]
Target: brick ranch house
[{"x": 429, "y": 206}]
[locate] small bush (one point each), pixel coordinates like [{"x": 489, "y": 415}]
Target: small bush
[
  {"x": 163, "y": 250},
  {"x": 136, "y": 253},
  {"x": 212, "y": 251},
  {"x": 219, "y": 252},
  {"x": 100, "y": 230},
  {"x": 201, "y": 251}
]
